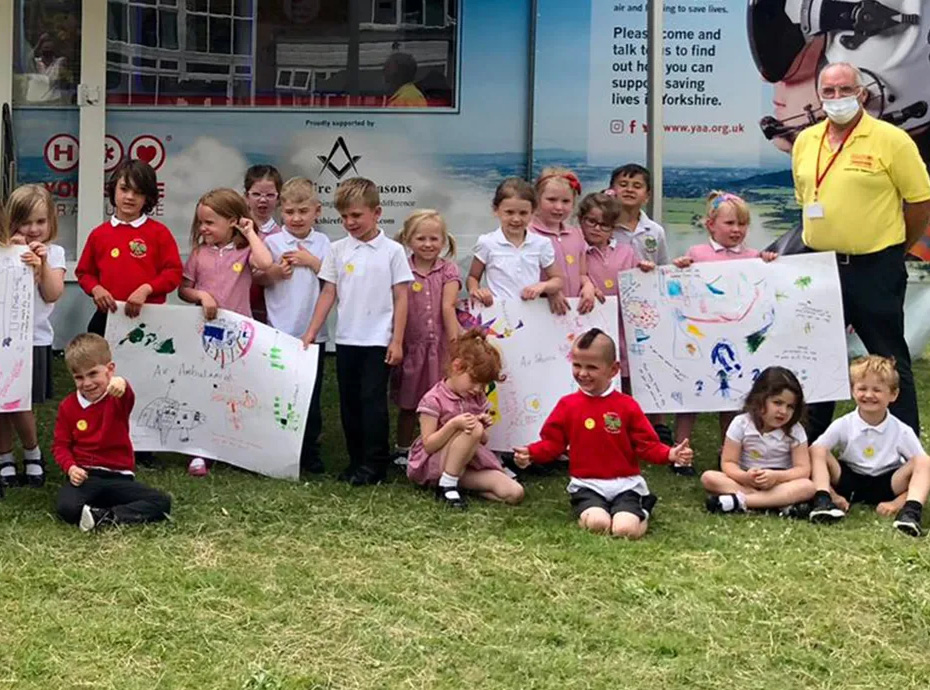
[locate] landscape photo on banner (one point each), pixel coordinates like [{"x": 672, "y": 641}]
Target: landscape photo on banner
[
  {"x": 230, "y": 389},
  {"x": 535, "y": 346},
  {"x": 698, "y": 337},
  {"x": 17, "y": 295}
]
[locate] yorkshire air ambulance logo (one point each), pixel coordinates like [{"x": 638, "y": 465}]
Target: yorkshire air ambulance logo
[
  {"x": 137, "y": 248},
  {"x": 328, "y": 164},
  {"x": 612, "y": 422}
]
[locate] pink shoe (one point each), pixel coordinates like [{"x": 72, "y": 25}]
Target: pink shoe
[{"x": 198, "y": 467}]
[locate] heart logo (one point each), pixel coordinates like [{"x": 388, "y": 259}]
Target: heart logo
[{"x": 146, "y": 153}]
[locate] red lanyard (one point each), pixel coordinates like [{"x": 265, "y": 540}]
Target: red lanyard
[{"x": 818, "y": 178}]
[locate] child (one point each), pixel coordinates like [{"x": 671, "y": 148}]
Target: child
[
  {"x": 606, "y": 434},
  {"x": 293, "y": 289},
  {"x": 765, "y": 462},
  {"x": 431, "y": 321},
  {"x": 93, "y": 448},
  {"x": 727, "y": 223},
  {"x": 33, "y": 222},
  {"x": 512, "y": 257},
  {"x": 632, "y": 184},
  {"x": 454, "y": 418},
  {"x": 556, "y": 192},
  {"x": 262, "y": 187},
  {"x": 130, "y": 257},
  {"x": 368, "y": 273},
  {"x": 874, "y": 445}
]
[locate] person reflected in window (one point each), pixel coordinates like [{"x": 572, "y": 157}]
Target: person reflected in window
[{"x": 400, "y": 70}]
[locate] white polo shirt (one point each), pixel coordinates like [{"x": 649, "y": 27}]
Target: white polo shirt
[
  {"x": 765, "y": 451},
  {"x": 871, "y": 450},
  {"x": 509, "y": 269},
  {"x": 291, "y": 302},
  {"x": 647, "y": 240},
  {"x": 42, "y": 333},
  {"x": 364, "y": 273}
]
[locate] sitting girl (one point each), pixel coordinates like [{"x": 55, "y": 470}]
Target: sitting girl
[
  {"x": 765, "y": 462},
  {"x": 454, "y": 417}
]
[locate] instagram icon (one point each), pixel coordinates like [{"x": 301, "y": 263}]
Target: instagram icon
[{"x": 616, "y": 126}]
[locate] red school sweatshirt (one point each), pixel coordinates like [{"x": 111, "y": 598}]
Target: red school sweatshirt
[{"x": 97, "y": 435}]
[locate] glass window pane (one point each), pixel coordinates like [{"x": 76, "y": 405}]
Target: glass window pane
[
  {"x": 412, "y": 12},
  {"x": 197, "y": 5},
  {"x": 243, "y": 42},
  {"x": 196, "y": 33},
  {"x": 143, "y": 27},
  {"x": 220, "y": 6},
  {"x": 385, "y": 12},
  {"x": 46, "y": 52},
  {"x": 435, "y": 13},
  {"x": 243, "y": 8},
  {"x": 168, "y": 30},
  {"x": 220, "y": 36},
  {"x": 116, "y": 22}
]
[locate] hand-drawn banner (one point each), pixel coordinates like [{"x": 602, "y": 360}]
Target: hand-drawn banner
[
  {"x": 231, "y": 389},
  {"x": 17, "y": 290},
  {"x": 698, "y": 337},
  {"x": 536, "y": 346}
]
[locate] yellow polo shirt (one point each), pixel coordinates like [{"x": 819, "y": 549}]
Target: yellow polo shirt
[{"x": 862, "y": 194}]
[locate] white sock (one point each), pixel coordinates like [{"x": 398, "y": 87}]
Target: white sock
[
  {"x": 32, "y": 454},
  {"x": 728, "y": 504},
  {"x": 402, "y": 449},
  {"x": 8, "y": 470},
  {"x": 34, "y": 469},
  {"x": 448, "y": 481}
]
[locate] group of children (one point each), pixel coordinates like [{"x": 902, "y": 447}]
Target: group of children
[{"x": 397, "y": 329}]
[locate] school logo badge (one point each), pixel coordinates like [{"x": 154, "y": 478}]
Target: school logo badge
[
  {"x": 869, "y": 452},
  {"x": 114, "y": 253},
  {"x": 138, "y": 248},
  {"x": 237, "y": 267},
  {"x": 651, "y": 244},
  {"x": 569, "y": 259},
  {"x": 608, "y": 283},
  {"x": 350, "y": 268},
  {"x": 417, "y": 286},
  {"x": 612, "y": 422},
  {"x": 81, "y": 425},
  {"x": 589, "y": 424}
]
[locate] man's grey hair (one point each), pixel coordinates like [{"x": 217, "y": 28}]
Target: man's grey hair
[{"x": 848, "y": 65}]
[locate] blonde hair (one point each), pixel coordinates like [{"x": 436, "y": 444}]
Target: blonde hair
[
  {"x": 22, "y": 204},
  {"x": 356, "y": 191},
  {"x": 416, "y": 219},
  {"x": 226, "y": 203},
  {"x": 717, "y": 198},
  {"x": 882, "y": 368},
  {"x": 297, "y": 190},
  {"x": 86, "y": 351},
  {"x": 558, "y": 175}
]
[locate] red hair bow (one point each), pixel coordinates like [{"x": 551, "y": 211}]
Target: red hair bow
[{"x": 572, "y": 182}]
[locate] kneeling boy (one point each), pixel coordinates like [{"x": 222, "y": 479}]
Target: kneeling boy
[
  {"x": 92, "y": 445},
  {"x": 606, "y": 433},
  {"x": 874, "y": 445}
]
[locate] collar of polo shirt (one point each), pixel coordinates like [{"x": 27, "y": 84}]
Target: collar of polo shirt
[
  {"x": 114, "y": 221},
  {"x": 862, "y": 425},
  {"x": 717, "y": 247},
  {"x": 374, "y": 242}
]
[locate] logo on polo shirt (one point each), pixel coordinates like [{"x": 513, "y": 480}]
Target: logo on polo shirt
[
  {"x": 237, "y": 267},
  {"x": 417, "y": 286},
  {"x": 138, "y": 248},
  {"x": 569, "y": 259},
  {"x": 755, "y": 454},
  {"x": 589, "y": 424},
  {"x": 608, "y": 283},
  {"x": 612, "y": 422},
  {"x": 114, "y": 253},
  {"x": 869, "y": 452},
  {"x": 350, "y": 268},
  {"x": 862, "y": 160},
  {"x": 651, "y": 244},
  {"x": 81, "y": 425}
]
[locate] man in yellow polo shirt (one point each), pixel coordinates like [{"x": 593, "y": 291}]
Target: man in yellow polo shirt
[{"x": 865, "y": 194}]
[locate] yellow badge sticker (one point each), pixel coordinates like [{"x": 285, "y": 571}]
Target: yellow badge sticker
[
  {"x": 237, "y": 267},
  {"x": 350, "y": 268},
  {"x": 869, "y": 452},
  {"x": 608, "y": 283},
  {"x": 589, "y": 424},
  {"x": 82, "y": 425},
  {"x": 569, "y": 259},
  {"x": 755, "y": 454},
  {"x": 114, "y": 253},
  {"x": 417, "y": 286}
]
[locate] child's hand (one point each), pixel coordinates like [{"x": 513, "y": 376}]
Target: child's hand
[
  {"x": 116, "y": 387},
  {"x": 886, "y": 508},
  {"x": 486, "y": 419},
  {"x": 308, "y": 339},
  {"x": 209, "y": 306},
  {"x": 465, "y": 421},
  {"x": 482, "y": 295},
  {"x": 282, "y": 270},
  {"x": 32, "y": 260},
  {"x": 646, "y": 266},
  {"x": 103, "y": 299},
  {"x": 395, "y": 354},
  {"x": 299, "y": 257},
  {"x": 76, "y": 475},
  {"x": 521, "y": 457},
  {"x": 683, "y": 261},
  {"x": 768, "y": 256},
  {"x": 588, "y": 295},
  {"x": 764, "y": 479},
  {"x": 135, "y": 301},
  {"x": 246, "y": 227},
  {"x": 532, "y": 292},
  {"x": 39, "y": 249},
  {"x": 557, "y": 302},
  {"x": 682, "y": 454}
]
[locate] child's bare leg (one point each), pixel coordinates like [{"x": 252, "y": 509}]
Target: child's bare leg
[
  {"x": 913, "y": 479},
  {"x": 725, "y": 418},
  {"x": 889, "y": 508},
  {"x": 715, "y": 482},
  {"x": 595, "y": 520},
  {"x": 406, "y": 427},
  {"x": 781, "y": 495},
  {"x": 492, "y": 485},
  {"x": 25, "y": 425},
  {"x": 825, "y": 472},
  {"x": 460, "y": 450},
  {"x": 6, "y": 433},
  {"x": 628, "y": 525},
  {"x": 684, "y": 425}
]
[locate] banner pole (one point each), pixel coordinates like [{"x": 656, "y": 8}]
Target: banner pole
[{"x": 656, "y": 93}]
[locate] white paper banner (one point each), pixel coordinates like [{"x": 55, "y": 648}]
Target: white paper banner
[
  {"x": 535, "y": 346},
  {"x": 17, "y": 291},
  {"x": 231, "y": 389},
  {"x": 698, "y": 337}
]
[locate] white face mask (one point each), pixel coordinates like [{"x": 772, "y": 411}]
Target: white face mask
[{"x": 841, "y": 110}]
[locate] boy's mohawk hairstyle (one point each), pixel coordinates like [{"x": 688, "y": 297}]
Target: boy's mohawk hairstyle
[{"x": 586, "y": 340}]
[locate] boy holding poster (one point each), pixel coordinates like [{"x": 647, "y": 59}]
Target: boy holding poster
[
  {"x": 606, "y": 433},
  {"x": 93, "y": 448}
]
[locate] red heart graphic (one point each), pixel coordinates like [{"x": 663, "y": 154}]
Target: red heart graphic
[{"x": 146, "y": 153}]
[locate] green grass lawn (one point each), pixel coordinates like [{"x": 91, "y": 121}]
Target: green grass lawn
[{"x": 257, "y": 583}]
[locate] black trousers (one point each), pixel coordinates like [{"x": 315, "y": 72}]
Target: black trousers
[
  {"x": 873, "y": 288},
  {"x": 98, "y": 323},
  {"x": 310, "y": 450},
  {"x": 363, "y": 382},
  {"x": 130, "y": 501}
]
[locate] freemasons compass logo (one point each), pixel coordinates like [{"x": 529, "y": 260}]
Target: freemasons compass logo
[{"x": 328, "y": 164}]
